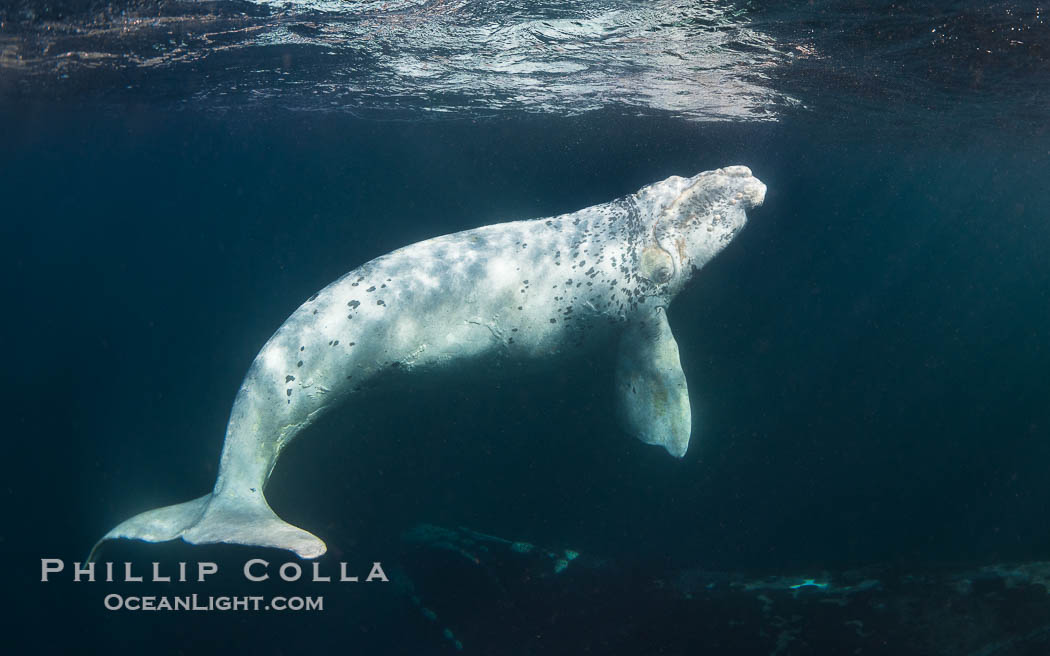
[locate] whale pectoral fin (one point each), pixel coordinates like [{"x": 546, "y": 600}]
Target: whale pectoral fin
[{"x": 653, "y": 401}]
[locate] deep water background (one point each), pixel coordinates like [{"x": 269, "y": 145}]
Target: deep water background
[{"x": 868, "y": 360}]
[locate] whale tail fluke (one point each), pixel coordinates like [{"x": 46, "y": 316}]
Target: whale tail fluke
[{"x": 212, "y": 519}]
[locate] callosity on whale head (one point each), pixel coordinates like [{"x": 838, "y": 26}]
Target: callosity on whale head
[{"x": 693, "y": 219}]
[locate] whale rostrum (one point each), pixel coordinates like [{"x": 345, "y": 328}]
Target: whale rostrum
[{"x": 522, "y": 292}]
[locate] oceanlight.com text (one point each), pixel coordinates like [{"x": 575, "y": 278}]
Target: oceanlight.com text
[{"x": 195, "y": 602}]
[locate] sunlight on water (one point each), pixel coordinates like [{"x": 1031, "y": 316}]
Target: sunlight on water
[{"x": 699, "y": 60}]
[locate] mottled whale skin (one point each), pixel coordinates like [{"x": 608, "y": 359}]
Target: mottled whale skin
[{"x": 511, "y": 292}]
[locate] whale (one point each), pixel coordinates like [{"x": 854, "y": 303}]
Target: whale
[{"x": 533, "y": 292}]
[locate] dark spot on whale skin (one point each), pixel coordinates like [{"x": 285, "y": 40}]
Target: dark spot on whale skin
[
  {"x": 302, "y": 348},
  {"x": 371, "y": 289},
  {"x": 289, "y": 378},
  {"x": 380, "y": 302},
  {"x": 354, "y": 304},
  {"x": 299, "y": 363},
  {"x": 352, "y": 343},
  {"x": 383, "y": 285},
  {"x": 554, "y": 321},
  {"x": 335, "y": 343},
  {"x": 289, "y": 391},
  {"x": 353, "y": 284},
  {"x": 315, "y": 311},
  {"x": 312, "y": 298},
  {"x": 519, "y": 307}
]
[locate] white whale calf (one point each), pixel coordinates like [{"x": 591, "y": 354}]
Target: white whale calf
[{"x": 515, "y": 292}]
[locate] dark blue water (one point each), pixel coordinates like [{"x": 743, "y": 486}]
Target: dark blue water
[{"x": 868, "y": 360}]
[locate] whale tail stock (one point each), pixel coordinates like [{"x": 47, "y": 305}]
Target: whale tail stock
[{"x": 213, "y": 519}]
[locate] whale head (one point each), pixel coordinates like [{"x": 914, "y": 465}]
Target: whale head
[{"x": 691, "y": 220}]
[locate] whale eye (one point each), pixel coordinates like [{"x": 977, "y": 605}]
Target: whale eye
[{"x": 656, "y": 265}]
